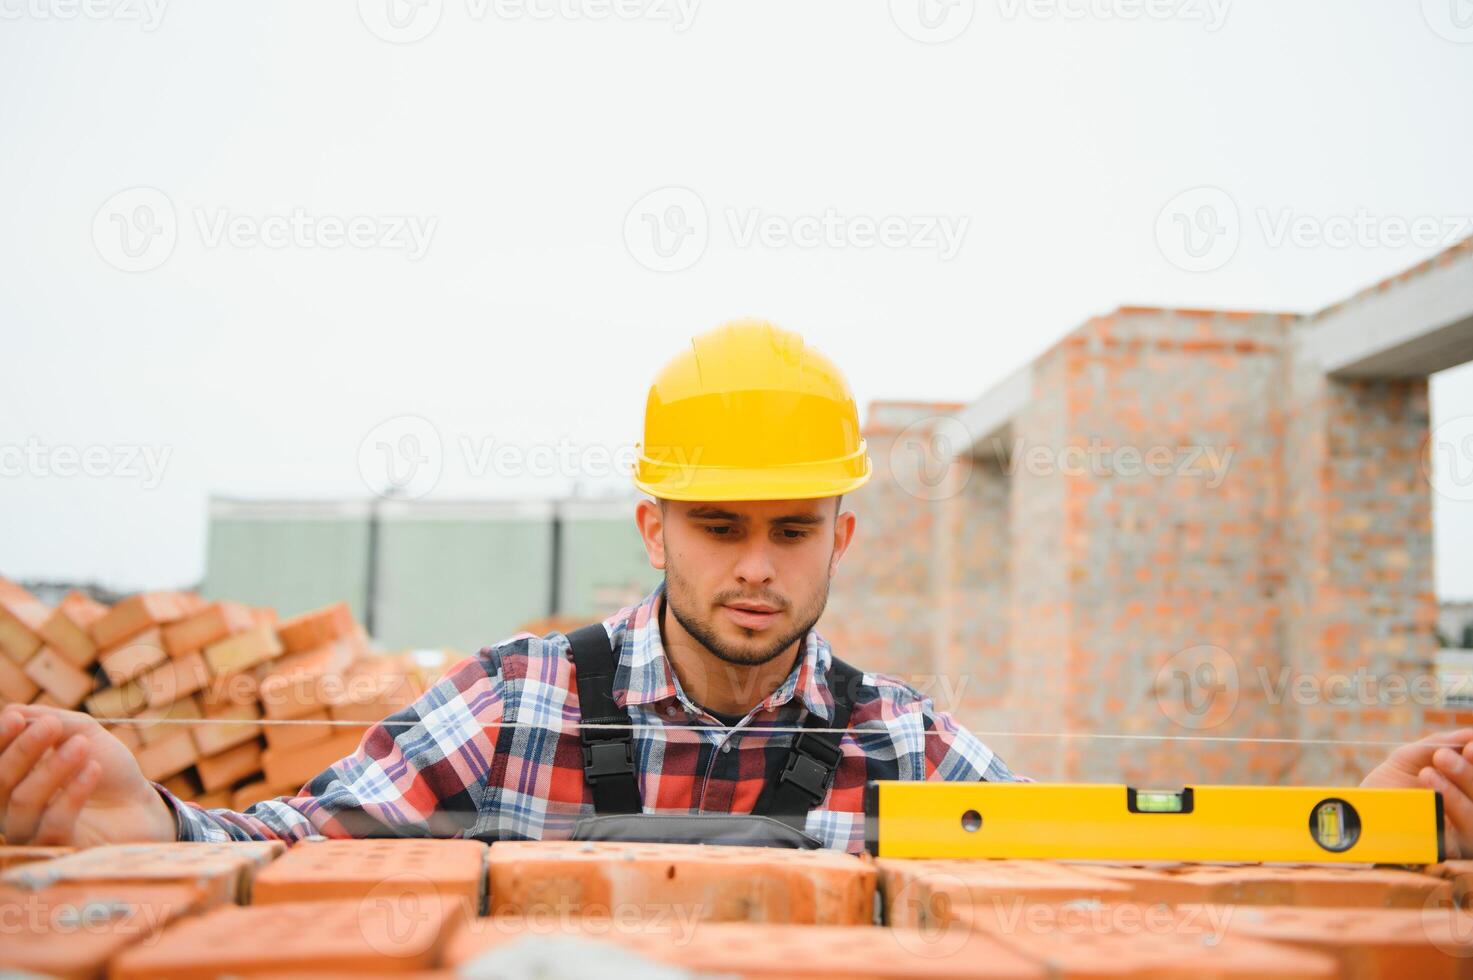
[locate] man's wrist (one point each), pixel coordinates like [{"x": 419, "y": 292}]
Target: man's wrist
[{"x": 166, "y": 822}]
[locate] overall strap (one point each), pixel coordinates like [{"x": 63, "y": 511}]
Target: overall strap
[
  {"x": 608, "y": 753},
  {"x": 808, "y": 771}
]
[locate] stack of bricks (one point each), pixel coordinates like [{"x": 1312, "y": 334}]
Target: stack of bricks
[
  {"x": 218, "y": 701},
  {"x": 448, "y": 908}
]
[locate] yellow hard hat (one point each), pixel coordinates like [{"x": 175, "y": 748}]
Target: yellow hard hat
[{"x": 750, "y": 413}]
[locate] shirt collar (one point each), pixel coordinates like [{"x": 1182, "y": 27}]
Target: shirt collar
[{"x": 644, "y": 674}]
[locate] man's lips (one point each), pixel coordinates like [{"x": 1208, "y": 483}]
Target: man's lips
[{"x": 750, "y": 615}]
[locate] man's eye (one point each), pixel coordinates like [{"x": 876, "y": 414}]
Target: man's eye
[
  {"x": 719, "y": 530},
  {"x": 793, "y": 534}
]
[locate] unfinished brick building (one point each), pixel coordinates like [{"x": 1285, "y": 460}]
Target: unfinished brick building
[{"x": 1179, "y": 523}]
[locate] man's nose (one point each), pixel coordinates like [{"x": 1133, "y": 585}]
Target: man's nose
[{"x": 755, "y": 565}]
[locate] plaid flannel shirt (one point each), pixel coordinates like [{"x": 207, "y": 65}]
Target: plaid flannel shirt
[{"x": 492, "y": 750}]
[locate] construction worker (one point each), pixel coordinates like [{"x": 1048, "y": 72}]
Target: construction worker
[{"x": 689, "y": 700}]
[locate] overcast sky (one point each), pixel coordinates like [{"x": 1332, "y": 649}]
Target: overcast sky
[{"x": 239, "y": 237}]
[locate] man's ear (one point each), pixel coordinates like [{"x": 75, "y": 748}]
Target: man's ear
[
  {"x": 649, "y": 515},
  {"x": 844, "y": 526}
]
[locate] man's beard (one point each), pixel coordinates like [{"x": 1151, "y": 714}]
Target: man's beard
[{"x": 705, "y": 633}]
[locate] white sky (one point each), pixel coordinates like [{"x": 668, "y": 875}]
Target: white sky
[{"x": 1058, "y": 137}]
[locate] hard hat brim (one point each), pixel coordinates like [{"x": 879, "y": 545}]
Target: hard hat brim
[{"x": 803, "y": 481}]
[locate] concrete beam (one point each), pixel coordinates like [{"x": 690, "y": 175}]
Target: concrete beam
[
  {"x": 987, "y": 418},
  {"x": 1411, "y": 326}
]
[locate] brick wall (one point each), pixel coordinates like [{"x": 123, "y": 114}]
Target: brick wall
[{"x": 1182, "y": 518}]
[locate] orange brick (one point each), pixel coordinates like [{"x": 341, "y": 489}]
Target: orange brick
[
  {"x": 242, "y": 651},
  {"x": 297, "y": 766},
  {"x": 222, "y": 871},
  {"x": 134, "y": 615},
  {"x": 133, "y": 657},
  {"x": 725, "y": 883},
  {"x": 300, "y": 731},
  {"x": 52, "y": 673},
  {"x": 1425, "y": 943},
  {"x": 229, "y": 767},
  {"x": 229, "y": 691},
  {"x": 176, "y": 678},
  {"x": 214, "y": 736},
  {"x": 212, "y": 624},
  {"x": 63, "y": 634},
  {"x": 1459, "y": 874},
  {"x": 508, "y": 945},
  {"x": 21, "y": 618},
  {"x": 75, "y": 930},
  {"x": 185, "y": 785},
  {"x": 297, "y": 694},
  {"x": 156, "y": 724},
  {"x": 82, "y": 609},
  {"x": 926, "y": 894},
  {"x": 375, "y": 701},
  {"x": 47, "y": 700},
  {"x": 317, "y": 628},
  {"x": 215, "y": 800},
  {"x": 453, "y": 870},
  {"x": 15, "y": 686},
  {"x": 167, "y": 756},
  {"x": 1154, "y": 941},
  {"x": 1315, "y": 885},
  {"x": 120, "y": 701},
  {"x": 126, "y": 735},
  {"x": 301, "y": 937},
  {"x": 12, "y": 855}
]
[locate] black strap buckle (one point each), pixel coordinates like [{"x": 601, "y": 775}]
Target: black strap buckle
[
  {"x": 609, "y": 758},
  {"x": 808, "y": 774}
]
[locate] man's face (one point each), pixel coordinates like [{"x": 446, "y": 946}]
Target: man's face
[{"x": 749, "y": 578}]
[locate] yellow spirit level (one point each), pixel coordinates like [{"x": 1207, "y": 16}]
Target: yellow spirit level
[{"x": 1087, "y": 821}]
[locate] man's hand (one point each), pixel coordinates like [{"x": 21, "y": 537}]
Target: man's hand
[
  {"x": 1442, "y": 762},
  {"x": 64, "y": 779}
]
